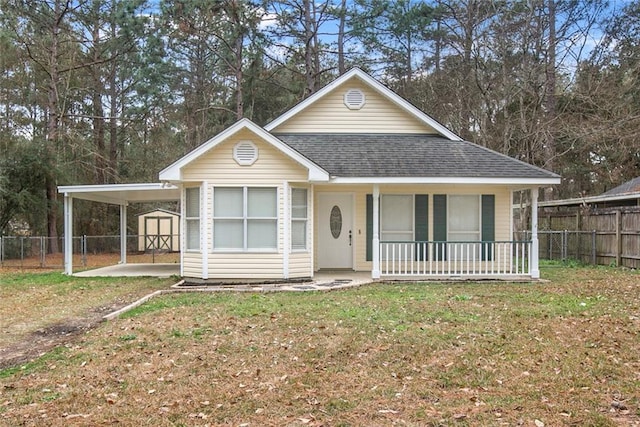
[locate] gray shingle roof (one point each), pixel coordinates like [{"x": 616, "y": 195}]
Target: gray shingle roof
[
  {"x": 406, "y": 155},
  {"x": 629, "y": 187}
]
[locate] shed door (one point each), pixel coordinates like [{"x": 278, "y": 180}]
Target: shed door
[
  {"x": 335, "y": 231},
  {"x": 158, "y": 233}
]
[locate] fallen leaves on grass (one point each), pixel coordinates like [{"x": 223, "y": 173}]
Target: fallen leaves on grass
[{"x": 504, "y": 354}]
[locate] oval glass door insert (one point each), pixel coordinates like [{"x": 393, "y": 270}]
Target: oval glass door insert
[{"x": 335, "y": 222}]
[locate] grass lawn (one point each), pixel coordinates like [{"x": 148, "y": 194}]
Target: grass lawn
[{"x": 565, "y": 352}]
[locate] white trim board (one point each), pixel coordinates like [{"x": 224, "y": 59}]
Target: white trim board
[{"x": 173, "y": 172}]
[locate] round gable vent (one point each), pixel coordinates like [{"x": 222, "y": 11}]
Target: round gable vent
[
  {"x": 245, "y": 153},
  {"x": 354, "y": 99}
]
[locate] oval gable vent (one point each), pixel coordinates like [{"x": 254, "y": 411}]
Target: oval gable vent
[
  {"x": 245, "y": 153},
  {"x": 354, "y": 99}
]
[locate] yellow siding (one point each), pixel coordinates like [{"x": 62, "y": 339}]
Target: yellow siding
[
  {"x": 218, "y": 165},
  {"x": 245, "y": 266},
  {"x": 378, "y": 115},
  {"x": 218, "y": 168},
  {"x": 300, "y": 265},
  {"x": 192, "y": 264}
]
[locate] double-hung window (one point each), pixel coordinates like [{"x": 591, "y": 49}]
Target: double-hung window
[
  {"x": 396, "y": 220},
  {"x": 299, "y": 219},
  {"x": 464, "y": 218},
  {"x": 464, "y": 226},
  {"x": 396, "y": 217},
  {"x": 192, "y": 218},
  {"x": 245, "y": 218}
]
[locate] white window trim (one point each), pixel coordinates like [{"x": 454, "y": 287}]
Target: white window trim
[
  {"x": 305, "y": 220},
  {"x": 245, "y": 219}
]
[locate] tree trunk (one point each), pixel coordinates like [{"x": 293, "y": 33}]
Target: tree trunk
[
  {"x": 468, "y": 69},
  {"x": 97, "y": 110},
  {"x": 438, "y": 39},
  {"x": 239, "y": 75},
  {"x": 341, "y": 37},
  {"x": 53, "y": 123},
  {"x": 309, "y": 55},
  {"x": 113, "y": 111},
  {"x": 550, "y": 96}
]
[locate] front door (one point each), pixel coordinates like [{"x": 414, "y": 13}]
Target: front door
[{"x": 335, "y": 231}]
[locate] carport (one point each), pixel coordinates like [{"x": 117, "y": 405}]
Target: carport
[{"x": 115, "y": 194}]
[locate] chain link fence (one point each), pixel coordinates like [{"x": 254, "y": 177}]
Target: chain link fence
[
  {"x": 566, "y": 245},
  {"x": 26, "y": 252}
]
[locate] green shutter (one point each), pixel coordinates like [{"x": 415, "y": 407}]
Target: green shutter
[
  {"x": 488, "y": 225},
  {"x": 421, "y": 219},
  {"x": 440, "y": 225},
  {"x": 369, "y": 231}
]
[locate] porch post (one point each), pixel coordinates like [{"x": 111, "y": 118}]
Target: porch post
[
  {"x": 183, "y": 228},
  {"x": 534, "y": 267},
  {"x": 68, "y": 234},
  {"x": 204, "y": 222},
  {"x": 123, "y": 233},
  {"x": 375, "y": 272},
  {"x": 286, "y": 237}
]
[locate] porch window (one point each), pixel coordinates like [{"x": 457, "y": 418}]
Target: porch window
[
  {"x": 396, "y": 217},
  {"x": 464, "y": 218},
  {"x": 245, "y": 218},
  {"x": 299, "y": 219},
  {"x": 402, "y": 218},
  {"x": 192, "y": 218}
]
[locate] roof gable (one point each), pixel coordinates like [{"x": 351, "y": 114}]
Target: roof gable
[
  {"x": 159, "y": 210},
  {"x": 388, "y": 106},
  {"x": 173, "y": 172}
]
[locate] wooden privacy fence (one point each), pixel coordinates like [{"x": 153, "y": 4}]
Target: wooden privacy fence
[{"x": 608, "y": 236}]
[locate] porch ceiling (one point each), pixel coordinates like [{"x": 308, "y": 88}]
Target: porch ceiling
[{"x": 123, "y": 194}]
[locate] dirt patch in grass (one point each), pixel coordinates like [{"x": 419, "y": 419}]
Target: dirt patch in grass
[
  {"x": 41, "y": 311},
  {"x": 561, "y": 353},
  {"x": 39, "y": 342}
]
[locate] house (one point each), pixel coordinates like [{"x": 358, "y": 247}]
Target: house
[
  {"x": 353, "y": 178},
  {"x": 626, "y": 194},
  {"x": 159, "y": 230}
]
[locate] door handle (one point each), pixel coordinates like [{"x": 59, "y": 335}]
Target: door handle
[{"x": 350, "y": 237}]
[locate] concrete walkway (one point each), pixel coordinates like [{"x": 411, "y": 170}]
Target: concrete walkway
[
  {"x": 324, "y": 280},
  {"x": 133, "y": 270}
]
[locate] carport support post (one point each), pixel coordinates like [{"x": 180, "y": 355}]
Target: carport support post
[
  {"x": 535, "y": 268},
  {"x": 68, "y": 234},
  {"x": 375, "y": 241},
  {"x": 123, "y": 234}
]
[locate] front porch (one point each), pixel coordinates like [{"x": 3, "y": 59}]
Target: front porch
[{"x": 443, "y": 252}]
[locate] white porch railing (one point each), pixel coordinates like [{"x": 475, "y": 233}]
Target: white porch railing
[{"x": 455, "y": 258}]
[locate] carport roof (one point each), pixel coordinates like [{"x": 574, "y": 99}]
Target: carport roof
[{"x": 122, "y": 194}]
